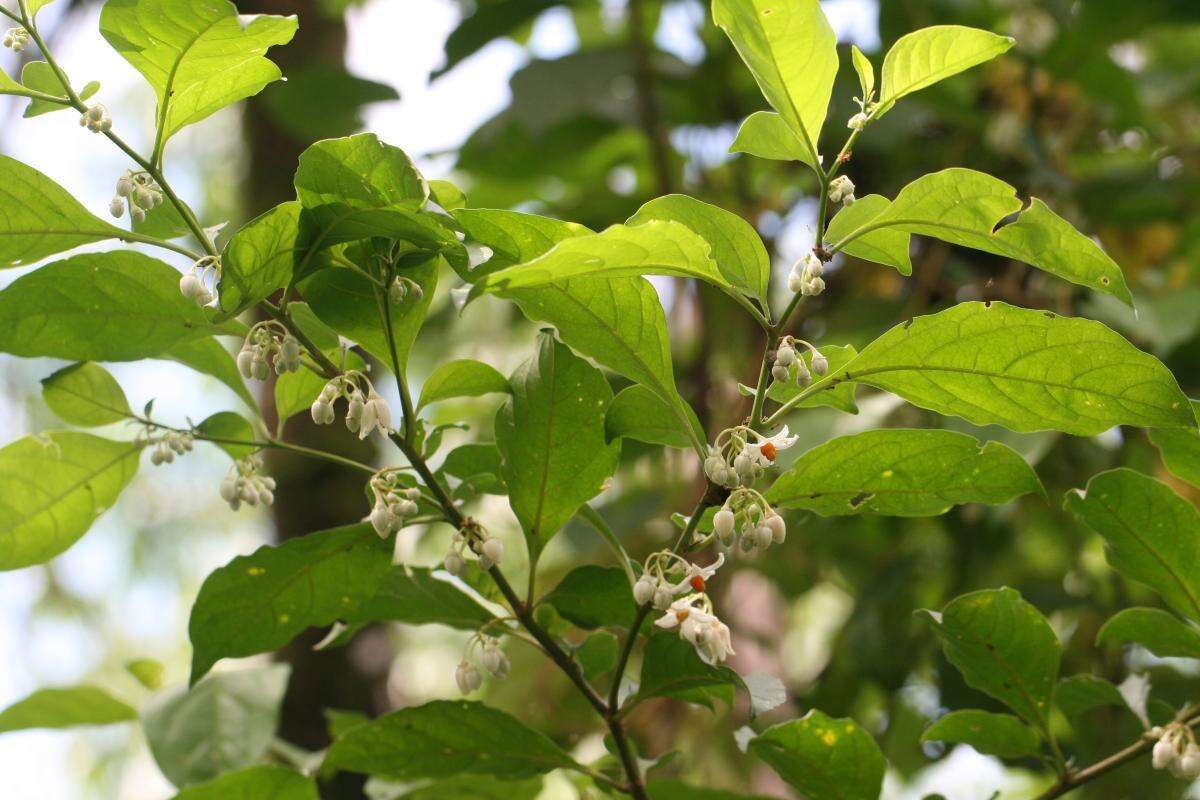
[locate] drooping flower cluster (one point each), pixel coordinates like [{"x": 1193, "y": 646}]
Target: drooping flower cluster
[
  {"x": 841, "y": 190},
  {"x": 137, "y": 189},
  {"x": 468, "y": 676},
  {"x": 740, "y": 455},
  {"x": 96, "y": 119},
  {"x": 685, "y": 604},
  {"x": 402, "y": 288},
  {"x": 365, "y": 411},
  {"x": 471, "y": 538},
  {"x": 1177, "y": 752},
  {"x": 266, "y": 339},
  {"x": 16, "y": 39},
  {"x": 244, "y": 483},
  {"x": 194, "y": 285},
  {"x": 171, "y": 444},
  {"x": 748, "y": 521},
  {"x": 394, "y": 502},
  {"x": 805, "y": 276},
  {"x": 788, "y": 367}
]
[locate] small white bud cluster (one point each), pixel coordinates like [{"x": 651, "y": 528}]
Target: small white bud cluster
[
  {"x": 805, "y": 276},
  {"x": 267, "y": 338},
  {"x": 394, "y": 503},
  {"x": 244, "y": 484},
  {"x": 748, "y": 520},
  {"x": 788, "y": 367},
  {"x": 96, "y": 119},
  {"x": 1176, "y": 751},
  {"x": 488, "y": 550},
  {"x": 866, "y": 109},
  {"x": 739, "y": 456},
  {"x": 16, "y": 39},
  {"x": 364, "y": 412},
  {"x": 841, "y": 190},
  {"x": 171, "y": 444},
  {"x": 858, "y": 121},
  {"x": 195, "y": 282},
  {"x": 468, "y": 676},
  {"x": 402, "y": 288},
  {"x": 137, "y": 189}
]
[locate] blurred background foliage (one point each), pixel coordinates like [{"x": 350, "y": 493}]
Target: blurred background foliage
[{"x": 1096, "y": 111}]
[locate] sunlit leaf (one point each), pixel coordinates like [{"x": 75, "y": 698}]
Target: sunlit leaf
[
  {"x": 887, "y": 245},
  {"x": 840, "y": 396},
  {"x": 1180, "y": 451},
  {"x": 86, "y": 394},
  {"x": 765, "y": 134},
  {"x": 66, "y": 707},
  {"x": 462, "y": 378},
  {"x": 53, "y": 486},
  {"x": 902, "y": 473},
  {"x": 865, "y": 72},
  {"x": 924, "y": 57},
  {"x": 254, "y": 783},
  {"x": 229, "y": 431},
  {"x": 40, "y": 76}
]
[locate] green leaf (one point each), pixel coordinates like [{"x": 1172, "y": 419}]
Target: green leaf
[
  {"x": 1003, "y": 647},
  {"x": 620, "y": 323},
  {"x": 651, "y": 248},
  {"x": 824, "y": 758},
  {"x": 764, "y": 134},
  {"x": 459, "y": 787},
  {"x": 514, "y": 237},
  {"x": 443, "y": 739},
  {"x": 225, "y": 722},
  {"x": 838, "y": 395},
  {"x": 65, "y": 708},
  {"x": 163, "y": 222},
  {"x": 674, "y": 790},
  {"x": 53, "y": 486},
  {"x": 865, "y": 72},
  {"x": 257, "y": 603},
  {"x": 888, "y": 245},
  {"x": 671, "y": 668},
  {"x": 1001, "y": 735},
  {"x": 1151, "y": 534},
  {"x": 598, "y": 654},
  {"x": 447, "y": 195},
  {"x": 148, "y": 672},
  {"x": 208, "y": 356},
  {"x": 260, "y": 258},
  {"x": 231, "y": 426},
  {"x": 592, "y": 596},
  {"x": 924, "y": 57},
  {"x": 476, "y": 463},
  {"x": 1082, "y": 693},
  {"x": 349, "y": 303},
  {"x": 254, "y": 783},
  {"x": 119, "y": 306},
  {"x": 198, "y": 57},
  {"x": 1163, "y": 634},
  {"x": 413, "y": 595},
  {"x": 735, "y": 246},
  {"x": 86, "y": 394},
  {"x": 551, "y": 439},
  {"x": 903, "y": 473},
  {"x": 462, "y": 378},
  {"x": 321, "y": 100},
  {"x": 638, "y": 413},
  {"x": 965, "y": 207},
  {"x": 791, "y": 50},
  {"x": 1180, "y": 451},
  {"x": 39, "y": 218},
  {"x": 40, "y": 77},
  {"x": 992, "y": 363}
]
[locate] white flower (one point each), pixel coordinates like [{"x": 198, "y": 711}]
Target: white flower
[
  {"x": 16, "y": 39},
  {"x": 662, "y": 597},
  {"x": 697, "y": 577},
  {"x": 644, "y": 589},
  {"x": 453, "y": 562},
  {"x": 1163, "y": 754},
  {"x": 375, "y": 414},
  {"x": 763, "y": 452},
  {"x": 467, "y": 677},
  {"x": 841, "y": 190},
  {"x": 723, "y": 522},
  {"x": 494, "y": 659},
  {"x": 712, "y": 641},
  {"x": 96, "y": 119},
  {"x": 493, "y": 549},
  {"x": 680, "y": 612},
  {"x": 778, "y": 528}
]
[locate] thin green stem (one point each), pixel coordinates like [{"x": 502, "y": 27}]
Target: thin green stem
[{"x": 594, "y": 519}]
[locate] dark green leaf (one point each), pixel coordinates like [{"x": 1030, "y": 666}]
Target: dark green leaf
[
  {"x": 476, "y": 463},
  {"x": 824, "y": 758},
  {"x": 86, "y": 394},
  {"x": 671, "y": 668},
  {"x": 1001, "y": 735},
  {"x": 320, "y": 100},
  {"x": 1163, "y": 634},
  {"x": 65, "y": 708},
  {"x": 592, "y": 596},
  {"x": 1082, "y": 693},
  {"x": 598, "y": 654},
  {"x": 638, "y": 413},
  {"x": 412, "y": 595},
  {"x": 262, "y": 782}
]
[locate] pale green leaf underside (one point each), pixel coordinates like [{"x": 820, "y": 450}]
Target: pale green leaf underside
[
  {"x": 865, "y": 72},
  {"x": 902, "y": 473},
  {"x": 924, "y": 57},
  {"x": 735, "y": 246},
  {"x": 85, "y": 394},
  {"x": 1160, "y": 632},
  {"x": 462, "y": 378},
  {"x": 39, "y": 218},
  {"x": 888, "y": 245},
  {"x": 791, "y": 50},
  {"x": 1152, "y": 535},
  {"x": 551, "y": 437},
  {"x": 1001, "y": 735},
  {"x": 992, "y": 363},
  {"x": 824, "y": 758},
  {"x": 764, "y": 134},
  {"x": 638, "y": 413},
  {"x": 52, "y": 488},
  {"x": 65, "y": 707},
  {"x": 442, "y": 739},
  {"x": 198, "y": 55},
  {"x": 1002, "y": 646},
  {"x": 513, "y": 236},
  {"x": 964, "y": 207}
]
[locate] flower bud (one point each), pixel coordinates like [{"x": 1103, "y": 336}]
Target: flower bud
[
  {"x": 259, "y": 366},
  {"x": 142, "y": 198},
  {"x": 795, "y": 282},
  {"x": 1188, "y": 762},
  {"x": 116, "y": 207},
  {"x": 124, "y": 185},
  {"x": 662, "y": 598},
  {"x": 381, "y": 519},
  {"x": 803, "y": 376},
  {"x": 189, "y": 286},
  {"x": 289, "y": 354},
  {"x": 785, "y": 356},
  {"x": 820, "y": 364},
  {"x": 841, "y": 188},
  {"x": 229, "y": 490},
  {"x": 723, "y": 522},
  {"x": 494, "y": 549},
  {"x": 643, "y": 590},
  {"x": 467, "y": 677},
  {"x": 763, "y": 536},
  {"x": 743, "y": 465},
  {"x": 453, "y": 562},
  {"x": 495, "y": 661},
  {"x": 778, "y": 528},
  {"x": 397, "y": 291},
  {"x": 137, "y": 215},
  {"x": 780, "y": 374}
]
